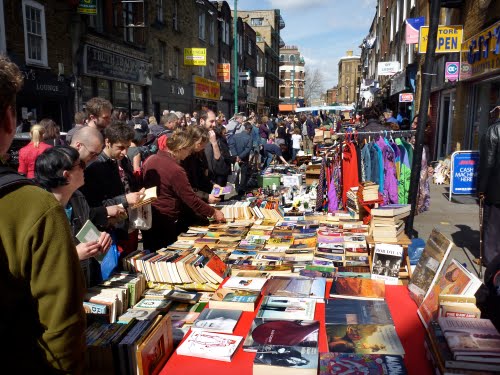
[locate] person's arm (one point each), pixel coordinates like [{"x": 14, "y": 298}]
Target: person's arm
[
  {"x": 215, "y": 145},
  {"x": 23, "y": 165},
  {"x": 283, "y": 160},
  {"x": 57, "y": 284},
  {"x": 487, "y": 157}
]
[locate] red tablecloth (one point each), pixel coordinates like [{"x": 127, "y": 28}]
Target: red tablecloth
[{"x": 403, "y": 310}]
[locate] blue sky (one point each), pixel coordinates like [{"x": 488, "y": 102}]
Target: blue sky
[{"x": 322, "y": 29}]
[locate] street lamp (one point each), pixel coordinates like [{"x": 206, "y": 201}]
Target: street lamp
[
  {"x": 235, "y": 55},
  {"x": 292, "y": 58}
]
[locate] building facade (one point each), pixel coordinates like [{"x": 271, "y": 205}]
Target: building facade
[
  {"x": 331, "y": 96},
  {"x": 292, "y": 78},
  {"x": 349, "y": 77}
]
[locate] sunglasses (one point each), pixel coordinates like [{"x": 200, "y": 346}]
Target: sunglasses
[{"x": 80, "y": 164}]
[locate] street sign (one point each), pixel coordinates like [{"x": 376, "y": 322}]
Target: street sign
[
  {"x": 464, "y": 168},
  {"x": 259, "y": 81},
  {"x": 406, "y": 97},
  {"x": 224, "y": 73},
  {"x": 244, "y": 76},
  {"x": 195, "y": 56},
  {"x": 388, "y": 68},
  {"x": 452, "y": 70},
  {"x": 449, "y": 39}
]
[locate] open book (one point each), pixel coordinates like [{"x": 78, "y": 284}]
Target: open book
[{"x": 149, "y": 196}]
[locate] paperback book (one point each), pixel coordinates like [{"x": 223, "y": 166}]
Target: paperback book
[
  {"x": 285, "y": 360},
  {"x": 234, "y": 299},
  {"x": 217, "y": 320},
  {"x": 370, "y": 364},
  {"x": 287, "y": 308},
  {"x": 358, "y": 288},
  {"x": 363, "y": 339},
  {"x": 245, "y": 283},
  {"x": 210, "y": 345},
  {"x": 356, "y": 311},
  {"x": 387, "y": 262}
]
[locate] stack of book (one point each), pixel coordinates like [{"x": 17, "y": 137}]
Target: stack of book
[
  {"x": 387, "y": 222},
  {"x": 465, "y": 346},
  {"x": 368, "y": 192}
]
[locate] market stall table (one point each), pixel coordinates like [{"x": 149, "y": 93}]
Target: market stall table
[{"x": 404, "y": 313}]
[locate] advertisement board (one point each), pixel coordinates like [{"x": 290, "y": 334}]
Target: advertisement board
[
  {"x": 449, "y": 39},
  {"x": 206, "y": 89},
  {"x": 406, "y": 97},
  {"x": 464, "y": 168},
  {"x": 388, "y": 68},
  {"x": 195, "y": 56},
  {"x": 224, "y": 73},
  {"x": 413, "y": 29},
  {"x": 452, "y": 71}
]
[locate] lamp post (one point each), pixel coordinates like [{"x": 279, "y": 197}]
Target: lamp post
[
  {"x": 292, "y": 57},
  {"x": 235, "y": 55}
]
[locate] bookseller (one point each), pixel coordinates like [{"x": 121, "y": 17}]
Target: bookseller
[{"x": 41, "y": 282}]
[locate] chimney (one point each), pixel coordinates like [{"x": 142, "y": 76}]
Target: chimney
[{"x": 349, "y": 53}]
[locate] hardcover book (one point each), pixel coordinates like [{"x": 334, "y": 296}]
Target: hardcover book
[
  {"x": 234, "y": 299},
  {"x": 287, "y": 308},
  {"x": 153, "y": 304},
  {"x": 183, "y": 296},
  {"x": 391, "y": 210},
  {"x": 372, "y": 364},
  {"x": 210, "y": 345},
  {"x": 281, "y": 332},
  {"x": 155, "y": 349},
  {"x": 387, "y": 262},
  {"x": 429, "y": 266},
  {"x": 285, "y": 360},
  {"x": 289, "y": 286},
  {"x": 363, "y": 339},
  {"x": 217, "y": 320},
  {"x": 356, "y": 311},
  {"x": 359, "y": 288},
  {"x": 137, "y": 314}
]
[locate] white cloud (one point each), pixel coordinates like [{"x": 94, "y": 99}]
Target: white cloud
[{"x": 298, "y": 4}]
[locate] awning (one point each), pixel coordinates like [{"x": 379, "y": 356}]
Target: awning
[{"x": 286, "y": 107}]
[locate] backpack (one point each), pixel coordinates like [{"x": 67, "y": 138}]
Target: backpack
[{"x": 11, "y": 180}]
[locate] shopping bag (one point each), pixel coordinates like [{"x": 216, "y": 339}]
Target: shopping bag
[
  {"x": 140, "y": 217},
  {"x": 110, "y": 261}
]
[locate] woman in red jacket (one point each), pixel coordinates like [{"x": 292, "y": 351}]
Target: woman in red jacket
[
  {"x": 29, "y": 153},
  {"x": 164, "y": 171}
]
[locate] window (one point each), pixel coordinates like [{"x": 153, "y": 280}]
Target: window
[
  {"x": 96, "y": 22},
  {"x": 282, "y": 92},
  {"x": 201, "y": 24},
  {"x": 128, "y": 19},
  {"x": 159, "y": 11},
  {"x": 259, "y": 64},
  {"x": 3, "y": 46},
  {"x": 201, "y": 71},
  {"x": 398, "y": 10},
  {"x": 412, "y": 3},
  {"x": 228, "y": 31},
  {"x": 259, "y": 39},
  {"x": 211, "y": 68},
  {"x": 256, "y": 21},
  {"x": 393, "y": 16},
  {"x": 175, "y": 24},
  {"x": 405, "y": 9},
  {"x": 162, "y": 47},
  {"x": 35, "y": 39},
  {"x": 212, "y": 32},
  {"x": 177, "y": 58},
  {"x": 249, "y": 48}
]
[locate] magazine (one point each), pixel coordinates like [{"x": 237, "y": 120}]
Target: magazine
[{"x": 387, "y": 262}]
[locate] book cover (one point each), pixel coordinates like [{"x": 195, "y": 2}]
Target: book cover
[
  {"x": 391, "y": 210},
  {"x": 370, "y": 364},
  {"x": 289, "y": 286},
  {"x": 149, "y": 196},
  {"x": 137, "y": 314},
  {"x": 287, "y": 308},
  {"x": 245, "y": 283},
  {"x": 387, "y": 262},
  {"x": 90, "y": 233},
  {"x": 270, "y": 358},
  {"x": 210, "y": 345},
  {"x": 243, "y": 300},
  {"x": 469, "y": 336},
  {"x": 183, "y": 296},
  {"x": 217, "y": 320},
  {"x": 153, "y": 304},
  {"x": 155, "y": 349},
  {"x": 360, "y": 288},
  {"x": 356, "y": 311},
  {"x": 363, "y": 339},
  {"x": 215, "y": 267},
  {"x": 454, "y": 280},
  {"x": 436, "y": 251},
  {"x": 281, "y": 332}
]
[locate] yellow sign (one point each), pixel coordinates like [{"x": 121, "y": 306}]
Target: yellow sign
[
  {"x": 195, "y": 56},
  {"x": 481, "y": 53},
  {"x": 449, "y": 39},
  {"x": 223, "y": 72},
  {"x": 206, "y": 89},
  {"x": 88, "y": 7}
]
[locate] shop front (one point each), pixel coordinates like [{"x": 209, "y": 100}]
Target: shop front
[
  {"x": 206, "y": 93},
  {"x": 45, "y": 95},
  {"x": 480, "y": 76},
  {"x": 117, "y": 73},
  {"x": 252, "y": 94},
  {"x": 171, "y": 94}
]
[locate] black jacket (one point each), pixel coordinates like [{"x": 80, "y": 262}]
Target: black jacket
[
  {"x": 221, "y": 167},
  {"x": 242, "y": 145},
  {"x": 489, "y": 164}
]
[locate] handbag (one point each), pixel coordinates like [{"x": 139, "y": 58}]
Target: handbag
[
  {"x": 110, "y": 261},
  {"x": 140, "y": 217}
]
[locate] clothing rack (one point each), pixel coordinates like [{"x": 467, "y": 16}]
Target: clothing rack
[{"x": 380, "y": 132}]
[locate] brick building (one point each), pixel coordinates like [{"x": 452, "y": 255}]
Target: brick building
[
  {"x": 292, "y": 78},
  {"x": 331, "y": 96},
  {"x": 349, "y": 76}
]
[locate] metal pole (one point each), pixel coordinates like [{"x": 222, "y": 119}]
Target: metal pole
[
  {"x": 235, "y": 54},
  {"x": 293, "y": 85},
  {"x": 435, "y": 6}
]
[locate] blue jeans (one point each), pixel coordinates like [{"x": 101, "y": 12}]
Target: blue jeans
[
  {"x": 268, "y": 159},
  {"x": 294, "y": 152}
]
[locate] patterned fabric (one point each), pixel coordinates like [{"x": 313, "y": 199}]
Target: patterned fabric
[
  {"x": 424, "y": 194},
  {"x": 335, "y": 188},
  {"x": 321, "y": 186}
]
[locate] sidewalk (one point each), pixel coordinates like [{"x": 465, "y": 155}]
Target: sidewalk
[{"x": 458, "y": 220}]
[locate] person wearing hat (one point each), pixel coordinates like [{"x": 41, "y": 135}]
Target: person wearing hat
[{"x": 137, "y": 119}]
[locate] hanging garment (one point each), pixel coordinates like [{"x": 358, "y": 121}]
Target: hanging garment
[
  {"x": 409, "y": 150},
  {"x": 404, "y": 175},
  {"x": 390, "y": 179},
  {"x": 424, "y": 194},
  {"x": 374, "y": 164},
  {"x": 350, "y": 173},
  {"x": 366, "y": 171},
  {"x": 321, "y": 186},
  {"x": 397, "y": 160},
  {"x": 335, "y": 188},
  {"x": 380, "y": 158}
]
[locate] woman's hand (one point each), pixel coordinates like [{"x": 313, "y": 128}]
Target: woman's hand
[
  {"x": 88, "y": 250},
  {"x": 219, "y": 216},
  {"x": 134, "y": 198},
  {"x": 105, "y": 242}
]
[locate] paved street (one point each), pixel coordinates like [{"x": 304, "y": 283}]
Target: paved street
[{"x": 458, "y": 220}]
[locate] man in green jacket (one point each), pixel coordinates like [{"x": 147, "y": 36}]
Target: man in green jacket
[{"x": 42, "y": 321}]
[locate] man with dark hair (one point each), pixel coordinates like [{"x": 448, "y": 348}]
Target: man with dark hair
[
  {"x": 99, "y": 113},
  {"x": 110, "y": 179},
  {"x": 271, "y": 150},
  {"x": 80, "y": 119},
  {"x": 41, "y": 282},
  {"x": 241, "y": 148}
]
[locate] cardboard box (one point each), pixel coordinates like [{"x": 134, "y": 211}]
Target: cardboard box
[{"x": 265, "y": 181}]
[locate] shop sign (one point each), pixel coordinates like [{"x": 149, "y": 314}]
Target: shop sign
[
  {"x": 464, "y": 170},
  {"x": 259, "y": 81},
  {"x": 398, "y": 83},
  {"x": 195, "y": 56},
  {"x": 206, "y": 89},
  {"x": 99, "y": 62},
  {"x": 449, "y": 39},
  {"x": 42, "y": 83},
  {"x": 88, "y": 7},
  {"x": 482, "y": 52},
  {"x": 413, "y": 28},
  {"x": 388, "y": 68},
  {"x": 252, "y": 94},
  {"x": 224, "y": 73},
  {"x": 465, "y": 71},
  {"x": 406, "y": 98},
  {"x": 452, "y": 71}
]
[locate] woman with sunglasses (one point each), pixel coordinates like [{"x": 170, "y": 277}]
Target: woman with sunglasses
[{"x": 60, "y": 171}]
